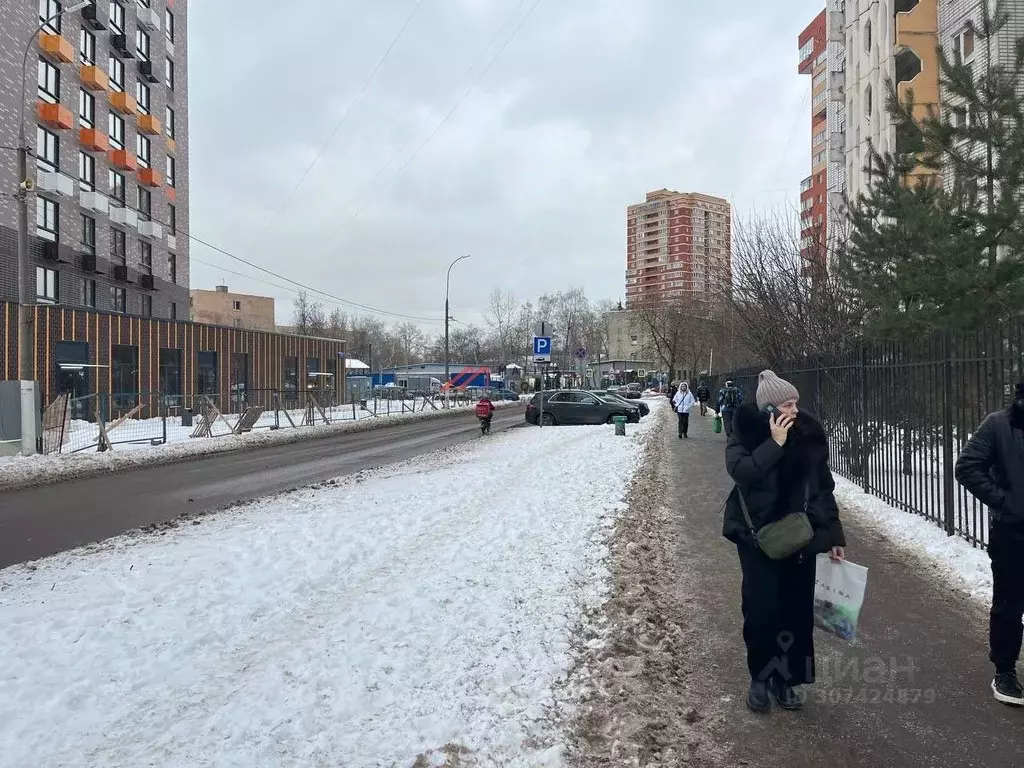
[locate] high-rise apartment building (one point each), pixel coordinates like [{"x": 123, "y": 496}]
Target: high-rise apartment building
[
  {"x": 105, "y": 109},
  {"x": 814, "y": 189},
  {"x": 678, "y": 247}
]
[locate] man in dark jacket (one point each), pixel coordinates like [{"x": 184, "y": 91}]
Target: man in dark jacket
[
  {"x": 778, "y": 457},
  {"x": 991, "y": 468},
  {"x": 729, "y": 400}
]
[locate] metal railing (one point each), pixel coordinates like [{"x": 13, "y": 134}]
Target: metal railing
[{"x": 899, "y": 413}]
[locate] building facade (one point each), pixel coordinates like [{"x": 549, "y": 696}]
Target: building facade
[
  {"x": 813, "y": 42},
  {"x": 237, "y": 310},
  {"x": 105, "y": 109},
  {"x": 678, "y": 247}
]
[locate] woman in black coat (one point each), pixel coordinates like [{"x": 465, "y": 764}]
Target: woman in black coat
[{"x": 778, "y": 458}]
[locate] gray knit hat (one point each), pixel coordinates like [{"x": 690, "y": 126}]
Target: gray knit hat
[{"x": 771, "y": 390}]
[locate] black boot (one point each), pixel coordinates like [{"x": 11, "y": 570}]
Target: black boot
[
  {"x": 1007, "y": 689},
  {"x": 786, "y": 695},
  {"x": 757, "y": 697}
]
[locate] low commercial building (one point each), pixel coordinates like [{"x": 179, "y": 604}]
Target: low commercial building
[{"x": 237, "y": 310}]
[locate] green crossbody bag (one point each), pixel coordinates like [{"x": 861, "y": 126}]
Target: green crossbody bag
[{"x": 782, "y": 538}]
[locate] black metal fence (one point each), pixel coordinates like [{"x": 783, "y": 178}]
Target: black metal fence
[{"x": 898, "y": 414}]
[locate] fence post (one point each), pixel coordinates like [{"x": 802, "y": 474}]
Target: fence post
[
  {"x": 277, "y": 410},
  {"x": 862, "y": 422},
  {"x": 948, "y": 488},
  {"x": 163, "y": 420}
]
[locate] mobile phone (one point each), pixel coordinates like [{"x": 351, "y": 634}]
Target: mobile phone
[{"x": 771, "y": 410}]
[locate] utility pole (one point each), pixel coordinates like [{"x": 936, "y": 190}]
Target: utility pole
[{"x": 447, "y": 315}]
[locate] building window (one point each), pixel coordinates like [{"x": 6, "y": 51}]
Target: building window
[
  {"x": 169, "y": 25},
  {"x": 89, "y": 293},
  {"x": 86, "y": 108},
  {"x": 116, "y": 181},
  {"x": 172, "y": 219},
  {"x": 174, "y": 311},
  {"x": 147, "y": 305},
  {"x": 142, "y": 97},
  {"x": 169, "y": 74},
  {"x": 868, "y": 102},
  {"x": 964, "y": 44},
  {"x": 170, "y": 171},
  {"x": 118, "y": 299},
  {"x": 172, "y": 268},
  {"x": 116, "y": 132},
  {"x": 145, "y": 204},
  {"x": 49, "y": 82},
  {"x": 87, "y": 46},
  {"x": 118, "y": 247},
  {"x": 47, "y": 219},
  {"x": 867, "y": 36},
  {"x": 169, "y": 122},
  {"x": 170, "y": 371},
  {"x": 46, "y": 285},
  {"x": 146, "y": 257},
  {"x": 236, "y": 306},
  {"x": 124, "y": 370},
  {"x": 116, "y": 71},
  {"x": 49, "y": 16},
  {"x": 206, "y": 373},
  {"x": 142, "y": 44},
  {"x": 89, "y": 237},
  {"x": 86, "y": 171},
  {"x": 47, "y": 150},
  {"x": 142, "y": 148},
  {"x": 117, "y": 17}
]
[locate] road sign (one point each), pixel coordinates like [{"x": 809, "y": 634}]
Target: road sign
[
  {"x": 542, "y": 348},
  {"x": 581, "y": 353},
  {"x": 642, "y": 373}
]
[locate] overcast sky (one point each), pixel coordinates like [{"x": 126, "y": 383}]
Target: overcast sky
[{"x": 591, "y": 104}]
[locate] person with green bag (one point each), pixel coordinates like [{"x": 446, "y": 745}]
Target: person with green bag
[{"x": 781, "y": 514}]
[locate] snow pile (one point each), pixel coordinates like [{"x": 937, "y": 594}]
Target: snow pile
[
  {"x": 23, "y": 472},
  {"x": 962, "y": 564},
  {"x": 395, "y": 617}
]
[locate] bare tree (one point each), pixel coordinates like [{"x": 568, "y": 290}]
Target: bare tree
[
  {"x": 337, "y": 325},
  {"x": 308, "y": 315},
  {"x": 502, "y": 310}
]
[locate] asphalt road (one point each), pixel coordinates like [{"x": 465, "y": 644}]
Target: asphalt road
[
  {"x": 914, "y": 691},
  {"x": 38, "y": 522}
]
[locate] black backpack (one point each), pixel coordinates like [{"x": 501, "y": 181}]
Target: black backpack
[{"x": 731, "y": 398}]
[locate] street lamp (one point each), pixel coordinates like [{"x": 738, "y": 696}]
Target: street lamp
[
  {"x": 25, "y": 373},
  {"x": 447, "y": 362}
]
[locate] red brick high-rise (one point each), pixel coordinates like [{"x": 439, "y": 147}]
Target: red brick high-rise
[
  {"x": 678, "y": 247},
  {"x": 814, "y": 189}
]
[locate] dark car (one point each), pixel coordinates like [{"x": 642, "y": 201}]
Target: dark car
[
  {"x": 643, "y": 407},
  {"x": 625, "y": 392},
  {"x": 574, "y": 406}
]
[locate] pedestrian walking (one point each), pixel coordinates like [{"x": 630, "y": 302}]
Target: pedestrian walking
[
  {"x": 683, "y": 400},
  {"x": 778, "y": 457},
  {"x": 703, "y": 396},
  {"x": 991, "y": 468},
  {"x": 729, "y": 400}
]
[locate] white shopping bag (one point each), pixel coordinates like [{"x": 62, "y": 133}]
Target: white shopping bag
[{"x": 838, "y": 596}]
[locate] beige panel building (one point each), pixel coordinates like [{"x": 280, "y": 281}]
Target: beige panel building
[{"x": 237, "y": 310}]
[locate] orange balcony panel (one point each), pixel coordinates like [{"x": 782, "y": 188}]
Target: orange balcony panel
[
  {"x": 172, "y": 194},
  {"x": 93, "y": 140},
  {"x": 149, "y": 124},
  {"x": 150, "y": 177},
  {"x": 94, "y": 79},
  {"x": 123, "y": 159},
  {"x": 55, "y": 115},
  {"x": 172, "y": 145},
  {"x": 56, "y": 48},
  {"x": 123, "y": 103}
]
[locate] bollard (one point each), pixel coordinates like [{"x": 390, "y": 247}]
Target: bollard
[{"x": 620, "y": 425}]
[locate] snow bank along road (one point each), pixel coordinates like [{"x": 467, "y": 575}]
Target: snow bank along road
[
  {"x": 386, "y": 619},
  {"x": 37, "y": 522}
]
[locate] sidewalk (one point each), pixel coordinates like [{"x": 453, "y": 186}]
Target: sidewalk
[{"x": 913, "y": 692}]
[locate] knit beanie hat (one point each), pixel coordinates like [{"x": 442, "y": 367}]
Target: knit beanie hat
[{"x": 771, "y": 390}]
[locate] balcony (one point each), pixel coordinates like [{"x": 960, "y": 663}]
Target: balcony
[
  {"x": 94, "y": 78},
  {"x": 124, "y": 103},
  {"x": 55, "y": 183},
  {"x": 150, "y": 177},
  {"x": 837, "y": 140},
  {"x": 150, "y": 125},
  {"x": 172, "y": 145},
  {"x": 837, "y": 86},
  {"x": 172, "y": 195},
  {"x": 56, "y": 48},
  {"x": 55, "y": 116},
  {"x": 93, "y": 140},
  {"x": 148, "y": 18},
  {"x": 124, "y": 159},
  {"x": 94, "y": 201},
  {"x": 124, "y": 216},
  {"x": 837, "y": 27},
  {"x": 151, "y": 229}
]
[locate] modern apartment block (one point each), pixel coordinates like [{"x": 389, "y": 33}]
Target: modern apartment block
[
  {"x": 813, "y": 42},
  {"x": 885, "y": 39},
  {"x": 106, "y": 113},
  {"x": 678, "y": 247},
  {"x": 237, "y": 310}
]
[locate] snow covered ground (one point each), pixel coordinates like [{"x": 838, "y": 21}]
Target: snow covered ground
[
  {"x": 963, "y": 565},
  {"x": 415, "y": 612}
]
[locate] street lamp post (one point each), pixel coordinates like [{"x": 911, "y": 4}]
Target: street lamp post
[
  {"x": 447, "y": 284},
  {"x": 25, "y": 342}
]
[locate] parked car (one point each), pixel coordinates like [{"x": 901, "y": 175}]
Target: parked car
[
  {"x": 640, "y": 405},
  {"x": 504, "y": 395},
  {"x": 626, "y": 392},
  {"x": 575, "y": 406}
]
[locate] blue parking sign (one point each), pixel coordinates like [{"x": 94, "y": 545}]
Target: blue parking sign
[{"x": 542, "y": 348}]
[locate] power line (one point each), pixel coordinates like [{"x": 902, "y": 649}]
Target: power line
[
  {"x": 792, "y": 135},
  {"x": 341, "y": 121},
  {"x": 458, "y": 103}
]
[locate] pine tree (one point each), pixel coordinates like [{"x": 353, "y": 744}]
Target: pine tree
[{"x": 945, "y": 251}]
